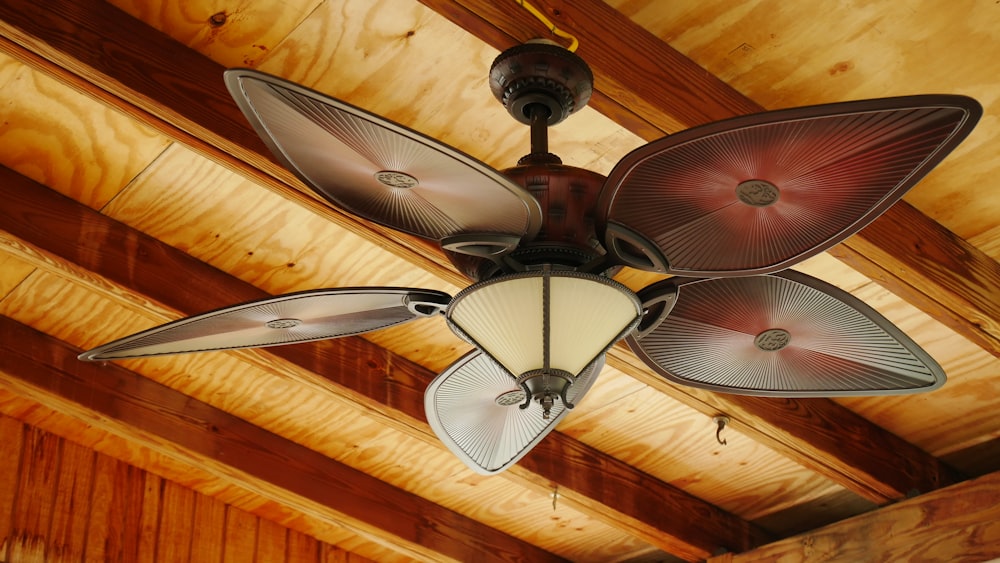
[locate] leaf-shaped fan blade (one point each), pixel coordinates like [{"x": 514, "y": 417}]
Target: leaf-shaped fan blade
[
  {"x": 474, "y": 407},
  {"x": 758, "y": 193},
  {"x": 780, "y": 335},
  {"x": 380, "y": 170},
  {"x": 286, "y": 319}
]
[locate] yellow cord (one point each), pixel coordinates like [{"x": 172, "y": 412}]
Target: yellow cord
[{"x": 548, "y": 23}]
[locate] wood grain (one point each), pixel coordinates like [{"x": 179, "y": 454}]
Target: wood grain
[
  {"x": 67, "y": 140},
  {"x": 123, "y": 513},
  {"x": 116, "y": 488},
  {"x": 236, "y": 34},
  {"x": 958, "y": 523},
  {"x": 150, "y": 407},
  {"x": 11, "y": 448},
  {"x": 71, "y": 511}
]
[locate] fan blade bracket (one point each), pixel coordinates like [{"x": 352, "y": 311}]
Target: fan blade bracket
[
  {"x": 658, "y": 301},
  {"x": 485, "y": 245},
  {"x": 427, "y": 304},
  {"x": 629, "y": 248}
]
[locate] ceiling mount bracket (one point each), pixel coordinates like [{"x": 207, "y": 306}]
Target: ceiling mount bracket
[{"x": 541, "y": 73}]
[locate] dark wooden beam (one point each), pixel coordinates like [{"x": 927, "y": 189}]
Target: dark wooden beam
[
  {"x": 958, "y": 523},
  {"x": 638, "y": 503},
  {"x": 148, "y": 75},
  {"x": 660, "y": 91},
  {"x": 28, "y": 357}
]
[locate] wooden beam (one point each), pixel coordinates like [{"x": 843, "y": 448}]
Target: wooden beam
[
  {"x": 276, "y": 468},
  {"x": 155, "y": 79},
  {"x": 660, "y": 91},
  {"x": 958, "y": 523},
  {"x": 69, "y": 232}
]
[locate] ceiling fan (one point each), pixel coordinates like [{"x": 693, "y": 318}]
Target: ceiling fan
[{"x": 724, "y": 209}]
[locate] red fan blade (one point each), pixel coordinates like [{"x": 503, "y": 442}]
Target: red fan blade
[
  {"x": 758, "y": 193},
  {"x": 778, "y": 335}
]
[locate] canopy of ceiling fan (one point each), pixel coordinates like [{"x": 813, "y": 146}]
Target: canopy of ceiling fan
[
  {"x": 780, "y": 335},
  {"x": 286, "y": 319},
  {"x": 758, "y": 193},
  {"x": 474, "y": 408},
  {"x": 380, "y": 170}
]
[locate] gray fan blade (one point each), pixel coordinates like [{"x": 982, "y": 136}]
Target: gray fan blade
[
  {"x": 758, "y": 193},
  {"x": 286, "y": 319},
  {"x": 383, "y": 171},
  {"x": 474, "y": 409},
  {"x": 779, "y": 335}
]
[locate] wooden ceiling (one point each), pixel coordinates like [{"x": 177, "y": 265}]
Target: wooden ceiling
[{"x": 134, "y": 192}]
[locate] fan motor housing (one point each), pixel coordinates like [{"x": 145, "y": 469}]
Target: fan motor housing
[{"x": 568, "y": 198}]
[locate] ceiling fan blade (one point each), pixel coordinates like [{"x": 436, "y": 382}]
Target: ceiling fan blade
[
  {"x": 285, "y": 319},
  {"x": 778, "y": 335},
  {"x": 758, "y": 193},
  {"x": 380, "y": 170},
  {"x": 474, "y": 409}
]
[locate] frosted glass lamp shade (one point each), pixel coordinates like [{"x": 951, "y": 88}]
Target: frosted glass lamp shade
[{"x": 545, "y": 320}]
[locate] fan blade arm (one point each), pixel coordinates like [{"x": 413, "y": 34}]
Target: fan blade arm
[{"x": 285, "y": 319}]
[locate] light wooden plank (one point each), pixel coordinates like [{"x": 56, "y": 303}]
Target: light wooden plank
[
  {"x": 11, "y": 448},
  {"x": 240, "y": 538},
  {"x": 101, "y": 544},
  {"x": 13, "y": 271},
  {"x": 302, "y": 548},
  {"x": 149, "y": 516},
  {"x": 271, "y": 541},
  {"x": 208, "y": 533},
  {"x": 211, "y": 103},
  {"x": 173, "y": 541},
  {"x": 957, "y": 523},
  {"x": 71, "y": 512},
  {"x": 236, "y": 34},
  {"x": 39, "y": 480},
  {"x": 68, "y": 140}
]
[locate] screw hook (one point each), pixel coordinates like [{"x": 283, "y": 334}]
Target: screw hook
[
  {"x": 721, "y": 421},
  {"x": 555, "y": 496}
]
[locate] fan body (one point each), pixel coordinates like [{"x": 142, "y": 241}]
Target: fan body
[{"x": 723, "y": 208}]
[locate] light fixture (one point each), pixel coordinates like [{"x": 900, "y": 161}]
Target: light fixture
[{"x": 541, "y": 335}]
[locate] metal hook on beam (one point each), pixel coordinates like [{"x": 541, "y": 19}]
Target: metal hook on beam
[{"x": 721, "y": 421}]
